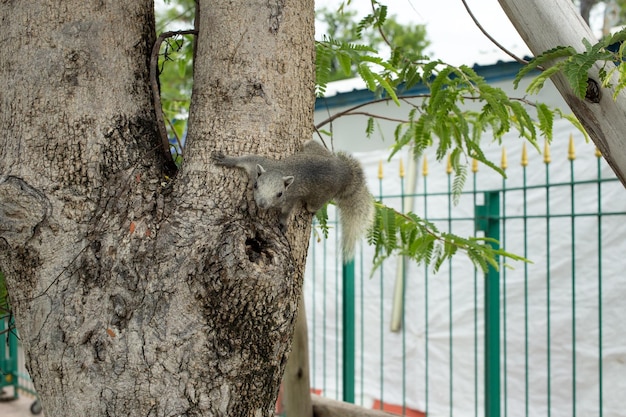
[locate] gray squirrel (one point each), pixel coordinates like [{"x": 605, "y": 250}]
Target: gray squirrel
[{"x": 312, "y": 176}]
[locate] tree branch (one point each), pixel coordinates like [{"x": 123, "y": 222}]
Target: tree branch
[
  {"x": 495, "y": 42},
  {"x": 380, "y": 27},
  {"x": 351, "y": 111},
  {"x": 180, "y": 145},
  {"x": 375, "y": 116}
]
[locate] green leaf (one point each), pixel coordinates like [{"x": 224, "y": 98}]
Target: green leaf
[
  {"x": 460, "y": 175},
  {"x": 546, "y": 120},
  {"x": 574, "y": 121},
  {"x": 436, "y": 88},
  {"x": 537, "y": 83},
  {"x": 369, "y": 129},
  {"x": 477, "y": 153},
  {"x": 576, "y": 70},
  {"x": 321, "y": 216},
  {"x": 345, "y": 61},
  {"x": 542, "y": 60},
  {"x": 384, "y": 83},
  {"x": 525, "y": 124},
  {"x": 382, "y": 15},
  {"x": 411, "y": 77},
  {"x": 367, "y": 76},
  {"x": 616, "y": 37}
]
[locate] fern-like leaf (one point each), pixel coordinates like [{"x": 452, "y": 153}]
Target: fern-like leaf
[
  {"x": 369, "y": 128},
  {"x": 537, "y": 83},
  {"x": 576, "y": 71},
  {"x": 542, "y": 60},
  {"x": 321, "y": 216},
  {"x": 368, "y": 76},
  {"x": 546, "y": 120}
]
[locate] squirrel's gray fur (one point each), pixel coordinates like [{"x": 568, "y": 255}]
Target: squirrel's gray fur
[{"x": 313, "y": 176}]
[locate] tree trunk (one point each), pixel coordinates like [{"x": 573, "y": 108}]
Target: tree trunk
[
  {"x": 585, "y": 9},
  {"x": 546, "y": 24},
  {"x": 135, "y": 294}
]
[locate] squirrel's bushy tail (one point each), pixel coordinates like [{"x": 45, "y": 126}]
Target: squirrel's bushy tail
[{"x": 356, "y": 208}]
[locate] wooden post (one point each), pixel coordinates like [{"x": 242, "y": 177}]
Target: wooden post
[
  {"x": 296, "y": 384},
  {"x": 325, "y": 407}
]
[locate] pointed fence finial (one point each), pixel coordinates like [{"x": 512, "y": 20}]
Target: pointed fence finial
[
  {"x": 546, "y": 153},
  {"x": 425, "y": 167},
  {"x": 474, "y": 165},
  {"x": 598, "y": 153},
  {"x": 571, "y": 150},
  {"x": 401, "y": 169},
  {"x": 380, "y": 170},
  {"x": 504, "y": 163},
  {"x": 449, "y": 166},
  {"x": 524, "y": 155}
]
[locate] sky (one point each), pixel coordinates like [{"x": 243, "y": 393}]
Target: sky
[{"x": 454, "y": 37}]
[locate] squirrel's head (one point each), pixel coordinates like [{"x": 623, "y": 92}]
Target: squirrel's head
[{"x": 270, "y": 188}]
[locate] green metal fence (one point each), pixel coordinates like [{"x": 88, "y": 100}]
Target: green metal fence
[
  {"x": 543, "y": 338},
  {"x": 13, "y": 373}
]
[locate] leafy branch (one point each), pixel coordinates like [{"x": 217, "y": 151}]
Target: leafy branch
[
  {"x": 409, "y": 235},
  {"x": 394, "y": 233},
  {"x": 442, "y": 119},
  {"x": 349, "y": 55},
  {"x": 575, "y": 65}
]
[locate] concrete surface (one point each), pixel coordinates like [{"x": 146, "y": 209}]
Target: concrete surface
[{"x": 16, "y": 408}]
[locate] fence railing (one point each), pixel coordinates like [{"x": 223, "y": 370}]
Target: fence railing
[
  {"x": 546, "y": 338},
  {"x": 13, "y": 371}
]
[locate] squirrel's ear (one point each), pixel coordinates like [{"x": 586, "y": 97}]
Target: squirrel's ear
[
  {"x": 259, "y": 169},
  {"x": 288, "y": 180}
]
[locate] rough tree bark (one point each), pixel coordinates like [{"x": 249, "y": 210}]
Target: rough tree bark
[
  {"x": 544, "y": 25},
  {"x": 135, "y": 295}
]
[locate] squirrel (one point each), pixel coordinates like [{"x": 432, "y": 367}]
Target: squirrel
[{"x": 312, "y": 176}]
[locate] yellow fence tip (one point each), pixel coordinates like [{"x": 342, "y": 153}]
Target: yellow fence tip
[
  {"x": 401, "y": 169},
  {"x": 546, "y": 153},
  {"x": 425, "y": 166},
  {"x": 504, "y": 163},
  {"x": 474, "y": 165},
  {"x": 571, "y": 150},
  {"x": 524, "y": 155},
  {"x": 380, "y": 170}
]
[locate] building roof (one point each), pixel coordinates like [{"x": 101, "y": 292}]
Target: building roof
[{"x": 352, "y": 91}]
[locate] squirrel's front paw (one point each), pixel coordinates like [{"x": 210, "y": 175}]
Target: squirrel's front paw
[{"x": 218, "y": 157}]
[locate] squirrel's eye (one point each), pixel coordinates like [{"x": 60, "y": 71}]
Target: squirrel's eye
[
  {"x": 279, "y": 194},
  {"x": 255, "y": 185}
]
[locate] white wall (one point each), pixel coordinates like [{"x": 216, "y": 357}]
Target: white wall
[{"x": 349, "y": 131}]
